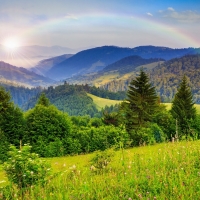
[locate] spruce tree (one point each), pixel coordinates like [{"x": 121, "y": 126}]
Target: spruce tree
[
  {"x": 43, "y": 100},
  {"x": 141, "y": 102},
  {"x": 183, "y": 109}
]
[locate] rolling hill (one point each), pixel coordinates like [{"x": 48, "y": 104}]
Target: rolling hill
[{"x": 21, "y": 76}]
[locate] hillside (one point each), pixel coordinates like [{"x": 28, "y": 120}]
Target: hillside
[
  {"x": 165, "y": 76},
  {"x": 168, "y": 75},
  {"x": 22, "y": 76},
  {"x": 152, "y": 172},
  {"x": 45, "y": 65},
  {"x": 95, "y": 59},
  {"x": 102, "y": 102},
  {"x": 107, "y": 79},
  {"x": 129, "y": 64},
  {"x": 75, "y": 100}
]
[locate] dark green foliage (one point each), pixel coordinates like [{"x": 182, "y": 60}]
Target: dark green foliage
[
  {"x": 100, "y": 138},
  {"x": 43, "y": 100},
  {"x": 147, "y": 135},
  {"x": 11, "y": 119},
  {"x": 4, "y": 147},
  {"x": 141, "y": 103},
  {"x": 47, "y": 124},
  {"x": 183, "y": 109},
  {"x": 110, "y": 118},
  {"x": 165, "y": 121}
]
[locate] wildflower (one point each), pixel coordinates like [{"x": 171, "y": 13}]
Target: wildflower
[{"x": 129, "y": 198}]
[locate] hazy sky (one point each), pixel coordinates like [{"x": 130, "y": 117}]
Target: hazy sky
[{"x": 89, "y": 23}]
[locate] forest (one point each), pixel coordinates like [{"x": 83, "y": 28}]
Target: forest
[{"x": 139, "y": 120}]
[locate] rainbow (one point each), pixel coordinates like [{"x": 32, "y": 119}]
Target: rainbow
[{"x": 169, "y": 35}]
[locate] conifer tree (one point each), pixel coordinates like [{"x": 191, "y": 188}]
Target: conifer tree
[
  {"x": 43, "y": 100},
  {"x": 183, "y": 109},
  {"x": 141, "y": 103}
]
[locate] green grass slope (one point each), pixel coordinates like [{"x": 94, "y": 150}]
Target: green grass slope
[
  {"x": 102, "y": 102},
  {"x": 164, "y": 171},
  {"x": 169, "y": 105}
]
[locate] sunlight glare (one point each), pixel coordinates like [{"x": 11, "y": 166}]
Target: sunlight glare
[{"x": 11, "y": 44}]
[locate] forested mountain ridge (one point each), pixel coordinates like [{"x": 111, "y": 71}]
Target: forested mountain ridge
[
  {"x": 95, "y": 59},
  {"x": 20, "y": 94},
  {"x": 166, "y": 77},
  {"x": 22, "y": 76},
  {"x": 73, "y": 99},
  {"x": 129, "y": 64}
]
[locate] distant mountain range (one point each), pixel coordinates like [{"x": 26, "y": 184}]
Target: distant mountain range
[
  {"x": 96, "y": 66},
  {"x": 21, "y": 76},
  {"x": 29, "y": 56},
  {"x": 96, "y": 59},
  {"x": 45, "y": 65}
]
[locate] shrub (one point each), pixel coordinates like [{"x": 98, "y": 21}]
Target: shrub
[
  {"x": 24, "y": 168},
  {"x": 101, "y": 159}
]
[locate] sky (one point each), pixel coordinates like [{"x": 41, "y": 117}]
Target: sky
[{"x": 90, "y": 23}]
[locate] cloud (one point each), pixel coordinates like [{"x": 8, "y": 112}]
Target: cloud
[
  {"x": 69, "y": 16},
  {"x": 170, "y": 9},
  {"x": 149, "y": 14},
  {"x": 187, "y": 16}
]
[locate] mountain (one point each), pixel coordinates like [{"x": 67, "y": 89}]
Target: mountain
[
  {"x": 129, "y": 64},
  {"x": 21, "y": 76},
  {"x": 165, "y": 76},
  {"x": 45, "y": 65},
  {"x": 120, "y": 70},
  {"x": 29, "y": 56},
  {"x": 96, "y": 59}
]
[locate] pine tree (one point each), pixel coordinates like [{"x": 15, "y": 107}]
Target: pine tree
[
  {"x": 183, "y": 109},
  {"x": 141, "y": 103},
  {"x": 43, "y": 100}
]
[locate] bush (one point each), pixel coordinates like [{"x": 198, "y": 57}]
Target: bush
[
  {"x": 24, "y": 168},
  {"x": 101, "y": 160}
]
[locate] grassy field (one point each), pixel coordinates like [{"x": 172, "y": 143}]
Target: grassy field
[
  {"x": 164, "y": 171},
  {"x": 101, "y": 102},
  {"x": 169, "y": 105}
]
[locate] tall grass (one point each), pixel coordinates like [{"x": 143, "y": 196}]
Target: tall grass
[{"x": 164, "y": 171}]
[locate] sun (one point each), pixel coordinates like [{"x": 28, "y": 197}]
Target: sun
[{"x": 11, "y": 44}]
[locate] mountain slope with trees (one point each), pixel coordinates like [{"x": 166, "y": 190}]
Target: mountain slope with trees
[{"x": 96, "y": 59}]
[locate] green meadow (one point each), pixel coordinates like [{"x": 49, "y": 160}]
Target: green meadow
[
  {"x": 102, "y": 102},
  {"x": 163, "y": 171}
]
